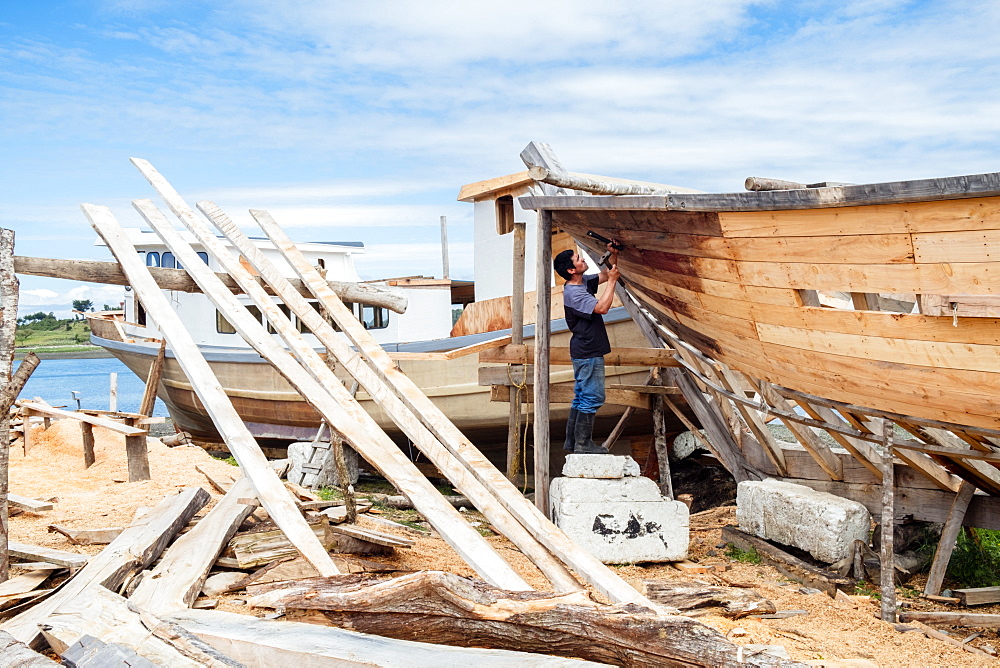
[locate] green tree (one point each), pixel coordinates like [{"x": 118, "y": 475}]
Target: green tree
[{"x": 83, "y": 305}]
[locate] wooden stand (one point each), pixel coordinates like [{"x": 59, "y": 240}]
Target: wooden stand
[
  {"x": 543, "y": 274},
  {"x": 888, "y": 526},
  {"x": 514, "y": 444}
]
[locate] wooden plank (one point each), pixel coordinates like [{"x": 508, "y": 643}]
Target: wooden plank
[
  {"x": 261, "y": 642},
  {"x": 805, "y": 435},
  {"x": 949, "y": 534},
  {"x": 131, "y": 552},
  {"x": 978, "y": 595},
  {"x": 965, "y": 453},
  {"x": 88, "y": 536},
  {"x": 25, "y": 503},
  {"x": 177, "y": 579},
  {"x": 514, "y": 354},
  {"x": 376, "y": 537},
  {"x": 953, "y": 619},
  {"x": 17, "y": 654},
  {"x": 504, "y": 492},
  {"x": 257, "y": 548},
  {"x": 474, "y": 348},
  {"x": 788, "y": 565},
  {"x": 563, "y": 394},
  {"x": 44, "y": 409},
  {"x": 24, "y": 583},
  {"x": 47, "y": 554},
  {"x": 102, "y": 614},
  {"x": 137, "y": 454},
  {"x": 330, "y": 397},
  {"x": 241, "y": 443},
  {"x": 753, "y": 419}
]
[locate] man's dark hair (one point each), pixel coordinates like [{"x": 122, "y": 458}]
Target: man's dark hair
[{"x": 562, "y": 263}]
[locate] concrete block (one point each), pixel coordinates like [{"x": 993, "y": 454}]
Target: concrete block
[
  {"x": 627, "y": 532},
  {"x": 622, "y": 520},
  {"x": 684, "y": 445},
  {"x": 600, "y": 466},
  {"x": 314, "y": 468},
  {"x": 822, "y": 524},
  {"x": 639, "y": 490}
]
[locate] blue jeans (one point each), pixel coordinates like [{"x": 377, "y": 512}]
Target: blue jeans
[{"x": 588, "y": 389}]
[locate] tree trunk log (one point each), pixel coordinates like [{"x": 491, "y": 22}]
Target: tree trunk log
[
  {"x": 735, "y": 602},
  {"x": 439, "y": 607},
  {"x": 8, "y": 330}
]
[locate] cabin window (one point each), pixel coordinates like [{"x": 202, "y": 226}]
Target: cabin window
[
  {"x": 204, "y": 257},
  {"x": 373, "y": 317},
  {"x": 321, "y": 262},
  {"x": 288, "y": 314},
  {"x": 223, "y": 326},
  {"x": 140, "y": 313},
  {"x": 152, "y": 259},
  {"x": 255, "y": 312},
  {"x": 167, "y": 261},
  {"x": 505, "y": 214}
]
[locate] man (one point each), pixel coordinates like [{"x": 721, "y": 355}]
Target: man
[{"x": 589, "y": 343}]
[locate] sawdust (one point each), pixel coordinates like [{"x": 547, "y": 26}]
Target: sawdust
[{"x": 831, "y": 633}]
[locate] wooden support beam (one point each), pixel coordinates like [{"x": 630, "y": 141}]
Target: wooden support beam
[
  {"x": 8, "y": 330},
  {"x": 563, "y": 394},
  {"x": 153, "y": 381},
  {"x": 887, "y": 557},
  {"x": 138, "y": 457},
  {"x": 241, "y": 443},
  {"x": 861, "y": 450},
  {"x": 542, "y": 358},
  {"x": 735, "y": 383},
  {"x": 949, "y": 534},
  {"x": 11, "y": 390},
  {"x": 38, "y": 408},
  {"x": 865, "y": 301},
  {"x": 953, "y": 619},
  {"x": 178, "y": 578},
  {"x": 315, "y": 381},
  {"x": 518, "y": 354},
  {"x": 87, "y": 436},
  {"x": 111, "y": 273},
  {"x": 803, "y": 434},
  {"x": 131, "y": 552},
  {"x": 514, "y": 441},
  {"x": 505, "y": 494},
  {"x": 977, "y": 595}
]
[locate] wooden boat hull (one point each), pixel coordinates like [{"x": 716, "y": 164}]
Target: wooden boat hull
[
  {"x": 272, "y": 409},
  {"x": 736, "y": 284}
]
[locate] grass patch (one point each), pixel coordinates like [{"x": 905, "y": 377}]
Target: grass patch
[
  {"x": 976, "y": 559},
  {"x": 329, "y": 493},
  {"x": 864, "y": 588},
  {"x": 229, "y": 460},
  {"x": 743, "y": 556}
]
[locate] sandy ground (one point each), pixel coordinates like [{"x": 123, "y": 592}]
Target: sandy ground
[{"x": 833, "y": 633}]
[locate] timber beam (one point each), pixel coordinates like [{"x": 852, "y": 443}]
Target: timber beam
[{"x": 649, "y": 357}]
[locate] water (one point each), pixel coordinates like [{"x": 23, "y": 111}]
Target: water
[{"x": 54, "y": 381}]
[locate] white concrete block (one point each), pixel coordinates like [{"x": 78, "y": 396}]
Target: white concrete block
[
  {"x": 639, "y": 490},
  {"x": 600, "y": 466},
  {"x": 627, "y": 532},
  {"x": 684, "y": 444},
  {"x": 824, "y": 525}
]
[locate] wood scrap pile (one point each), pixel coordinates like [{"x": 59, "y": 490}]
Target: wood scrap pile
[{"x": 121, "y": 602}]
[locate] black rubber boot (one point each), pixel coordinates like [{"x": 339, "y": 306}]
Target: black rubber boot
[
  {"x": 582, "y": 441},
  {"x": 570, "y": 430}
]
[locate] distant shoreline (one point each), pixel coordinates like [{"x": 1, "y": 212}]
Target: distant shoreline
[{"x": 96, "y": 353}]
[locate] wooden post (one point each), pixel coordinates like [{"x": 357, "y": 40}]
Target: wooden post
[
  {"x": 888, "y": 525},
  {"x": 543, "y": 273},
  {"x": 444, "y": 247},
  {"x": 152, "y": 382},
  {"x": 113, "y": 392},
  {"x": 516, "y": 337},
  {"x": 87, "y": 430},
  {"x": 949, "y": 534},
  {"x": 8, "y": 329}
]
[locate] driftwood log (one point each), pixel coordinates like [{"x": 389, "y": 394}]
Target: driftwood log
[
  {"x": 439, "y": 607},
  {"x": 18, "y": 655},
  {"x": 735, "y": 602},
  {"x": 111, "y": 273}
]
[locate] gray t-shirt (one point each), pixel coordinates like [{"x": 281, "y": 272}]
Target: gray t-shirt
[{"x": 590, "y": 338}]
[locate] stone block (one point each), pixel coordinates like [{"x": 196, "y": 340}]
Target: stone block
[
  {"x": 621, "y": 521},
  {"x": 685, "y": 443},
  {"x": 313, "y": 467},
  {"x": 639, "y": 490},
  {"x": 822, "y": 524},
  {"x": 600, "y": 466}
]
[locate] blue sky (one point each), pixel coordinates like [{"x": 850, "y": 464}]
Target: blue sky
[{"x": 360, "y": 121}]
